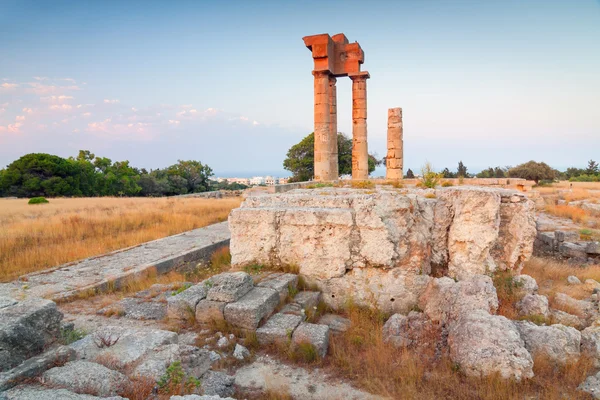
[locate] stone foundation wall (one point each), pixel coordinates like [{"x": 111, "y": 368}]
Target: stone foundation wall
[
  {"x": 381, "y": 246},
  {"x": 566, "y": 245}
]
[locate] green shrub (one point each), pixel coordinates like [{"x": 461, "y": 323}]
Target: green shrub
[
  {"x": 68, "y": 336},
  {"x": 38, "y": 200},
  {"x": 174, "y": 382},
  {"x": 430, "y": 178},
  {"x": 447, "y": 184}
]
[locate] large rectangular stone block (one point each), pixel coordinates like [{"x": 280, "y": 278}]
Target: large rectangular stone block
[{"x": 248, "y": 311}]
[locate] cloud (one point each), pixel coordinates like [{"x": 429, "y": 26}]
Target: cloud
[
  {"x": 42, "y": 89},
  {"x": 255, "y": 123},
  {"x": 174, "y": 122},
  {"x": 56, "y": 99},
  {"x": 27, "y": 110},
  {"x": 9, "y": 86},
  {"x": 14, "y": 128},
  {"x": 20, "y": 118},
  {"x": 2, "y": 110},
  {"x": 40, "y": 78},
  {"x": 87, "y": 114},
  {"x": 109, "y": 101},
  {"x": 61, "y": 107}
]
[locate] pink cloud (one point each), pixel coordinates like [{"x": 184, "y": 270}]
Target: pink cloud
[
  {"x": 9, "y": 85},
  {"x": 27, "y": 110},
  {"x": 61, "y": 107},
  {"x": 20, "y": 118},
  {"x": 56, "y": 99},
  {"x": 109, "y": 101}
]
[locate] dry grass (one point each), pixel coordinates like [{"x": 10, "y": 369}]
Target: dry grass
[
  {"x": 576, "y": 214},
  {"x": 37, "y": 237},
  {"x": 361, "y": 356},
  {"x": 577, "y": 185},
  {"x": 552, "y": 277}
]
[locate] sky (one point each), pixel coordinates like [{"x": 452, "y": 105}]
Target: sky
[{"x": 229, "y": 83}]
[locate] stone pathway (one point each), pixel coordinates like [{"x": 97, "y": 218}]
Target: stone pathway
[{"x": 68, "y": 280}]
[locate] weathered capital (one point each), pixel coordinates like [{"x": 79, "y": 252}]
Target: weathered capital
[{"x": 358, "y": 76}]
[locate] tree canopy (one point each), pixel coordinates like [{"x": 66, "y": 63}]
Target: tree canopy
[
  {"x": 300, "y": 158},
  {"x": 40, "y": 174},
  {"x": 535, "y": 171}
]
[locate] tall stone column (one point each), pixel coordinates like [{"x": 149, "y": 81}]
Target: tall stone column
[
  {"x": 322, "y": 164},
  {"x": 360, "y": 151},
  {"x": 395, "y": 145},
  {"x": 333, "y": 144}
]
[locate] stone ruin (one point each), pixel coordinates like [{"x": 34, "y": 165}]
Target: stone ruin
[{"x": 382, "y": 247}]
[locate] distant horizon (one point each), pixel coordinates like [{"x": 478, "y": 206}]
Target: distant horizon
[{"x": 494, "y": 82}]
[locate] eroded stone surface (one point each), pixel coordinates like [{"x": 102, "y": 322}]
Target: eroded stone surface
[
  {"x": 533, "y": 304},
  {"x": 558, "y": 343},
  {"x": 280, "y": 282},
  {"x": 229, "y": 286},
  {"x": 183, "y": 304},
  {"x": 26, "y": 328},
  {"x": 248, "y": 311},
  {"x": 315, "y": 334},
  {"x": 86, "y": 377},
  {"x": 483, "y": 344},
  {"x": 42, "y": 393},
  {"x": 278, "y": 328}
]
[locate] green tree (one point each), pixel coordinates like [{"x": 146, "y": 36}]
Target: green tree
[
  {"x": 40, "y": 174},
  {"x": 447, "y": 174},
  {"x": 592, "y": 168},
  {"x": 532, "y": 170},
  {"x": 462, "y": 170},
  {"x": 300, "y": 158},
  {"x": 410, "y": 174},
  {"x": 194, "y": 173}
]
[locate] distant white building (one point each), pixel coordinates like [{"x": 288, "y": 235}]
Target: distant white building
[
  {"x": 283, "y": 181},
  {"x": 257, "y": 180},
  {"x": 241, "y": 181},
  {"x": 270, "y": 181}
]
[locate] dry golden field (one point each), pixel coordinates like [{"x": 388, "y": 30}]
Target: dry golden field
[{"x": 36, "y": 237}]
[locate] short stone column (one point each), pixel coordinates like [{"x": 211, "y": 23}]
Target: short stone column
[
  {"x": 394, "y": 162},
  {"x": 333, "y": 144},
  {"x": 322, "y": 155},
  {"x": 360, "y": 151}
]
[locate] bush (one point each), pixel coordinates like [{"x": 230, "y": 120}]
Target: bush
[
  {"x": 38, "y": 200},
  {"x": 447, "y": 184},
  {"x": 430, "y": 178}
]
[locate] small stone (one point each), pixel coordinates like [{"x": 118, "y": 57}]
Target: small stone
[
  {"x": 336, "y": 323},
  {"x": 293, "y": 309},
  {"x": 526, "y": 283},
  {"x": 240, "y": 352},
  {"x": 315, "y": 334},
  {"x": 223, "y": 342},
  {"x": 591, "y": 284},
  {"x": 214, "y": 356},
  {"x": 217, "y": 384},
  {"x": 231, "y": 336},
  {"x": 591, "y": 385},
  {"x": 533, "y": 304},
  {"x": 278, "y": 328},
  {"x": 229, "y": 286},
  {"x": 573, "y": 280}
]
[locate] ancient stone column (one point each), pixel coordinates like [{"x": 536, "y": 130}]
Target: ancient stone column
[
  {"x": 394, "y": 162},
  {"x": 322, "y": 126},
  {"x": 360, "y": 151},
  {"x": 333, "y": 145}
]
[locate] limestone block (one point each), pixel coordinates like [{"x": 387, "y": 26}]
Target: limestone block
[
  {"x": 42, "y": 393},
  {"x": 229, "y": 286},
  {"x": 248, "y": 311},
  {"x": 526, "y": 283},
  {"x": 135, "y": 308},
  {"x": 572, "y": 250},
  {"x": 558, "y": 343},
  {"x": 533, "y": 304},
  {"x": 35, "y": 366},
  {"x": 593, "y": 248},
  {"x": 208, "y": 311},
  {"x": 127, "y": 345},
  {"x": 26, "y": 328},
  {"x": 484, "y": 344},
  {"x": 216, "y": 383},
  {"x": 445, "y": 300},
  {"x": 86, "y": 378},
  {"x": 414, "y": 330},
  {"x": 278, "y": 328},
  {"x": 307, "y": 299},
  {"x": 280, "y": 282},
  {"x": 590, "y": 343},
  {"x": 336, "y": 323},
  {"x": 315, "y": 334},
  {"x": 182, "y": 305}
]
